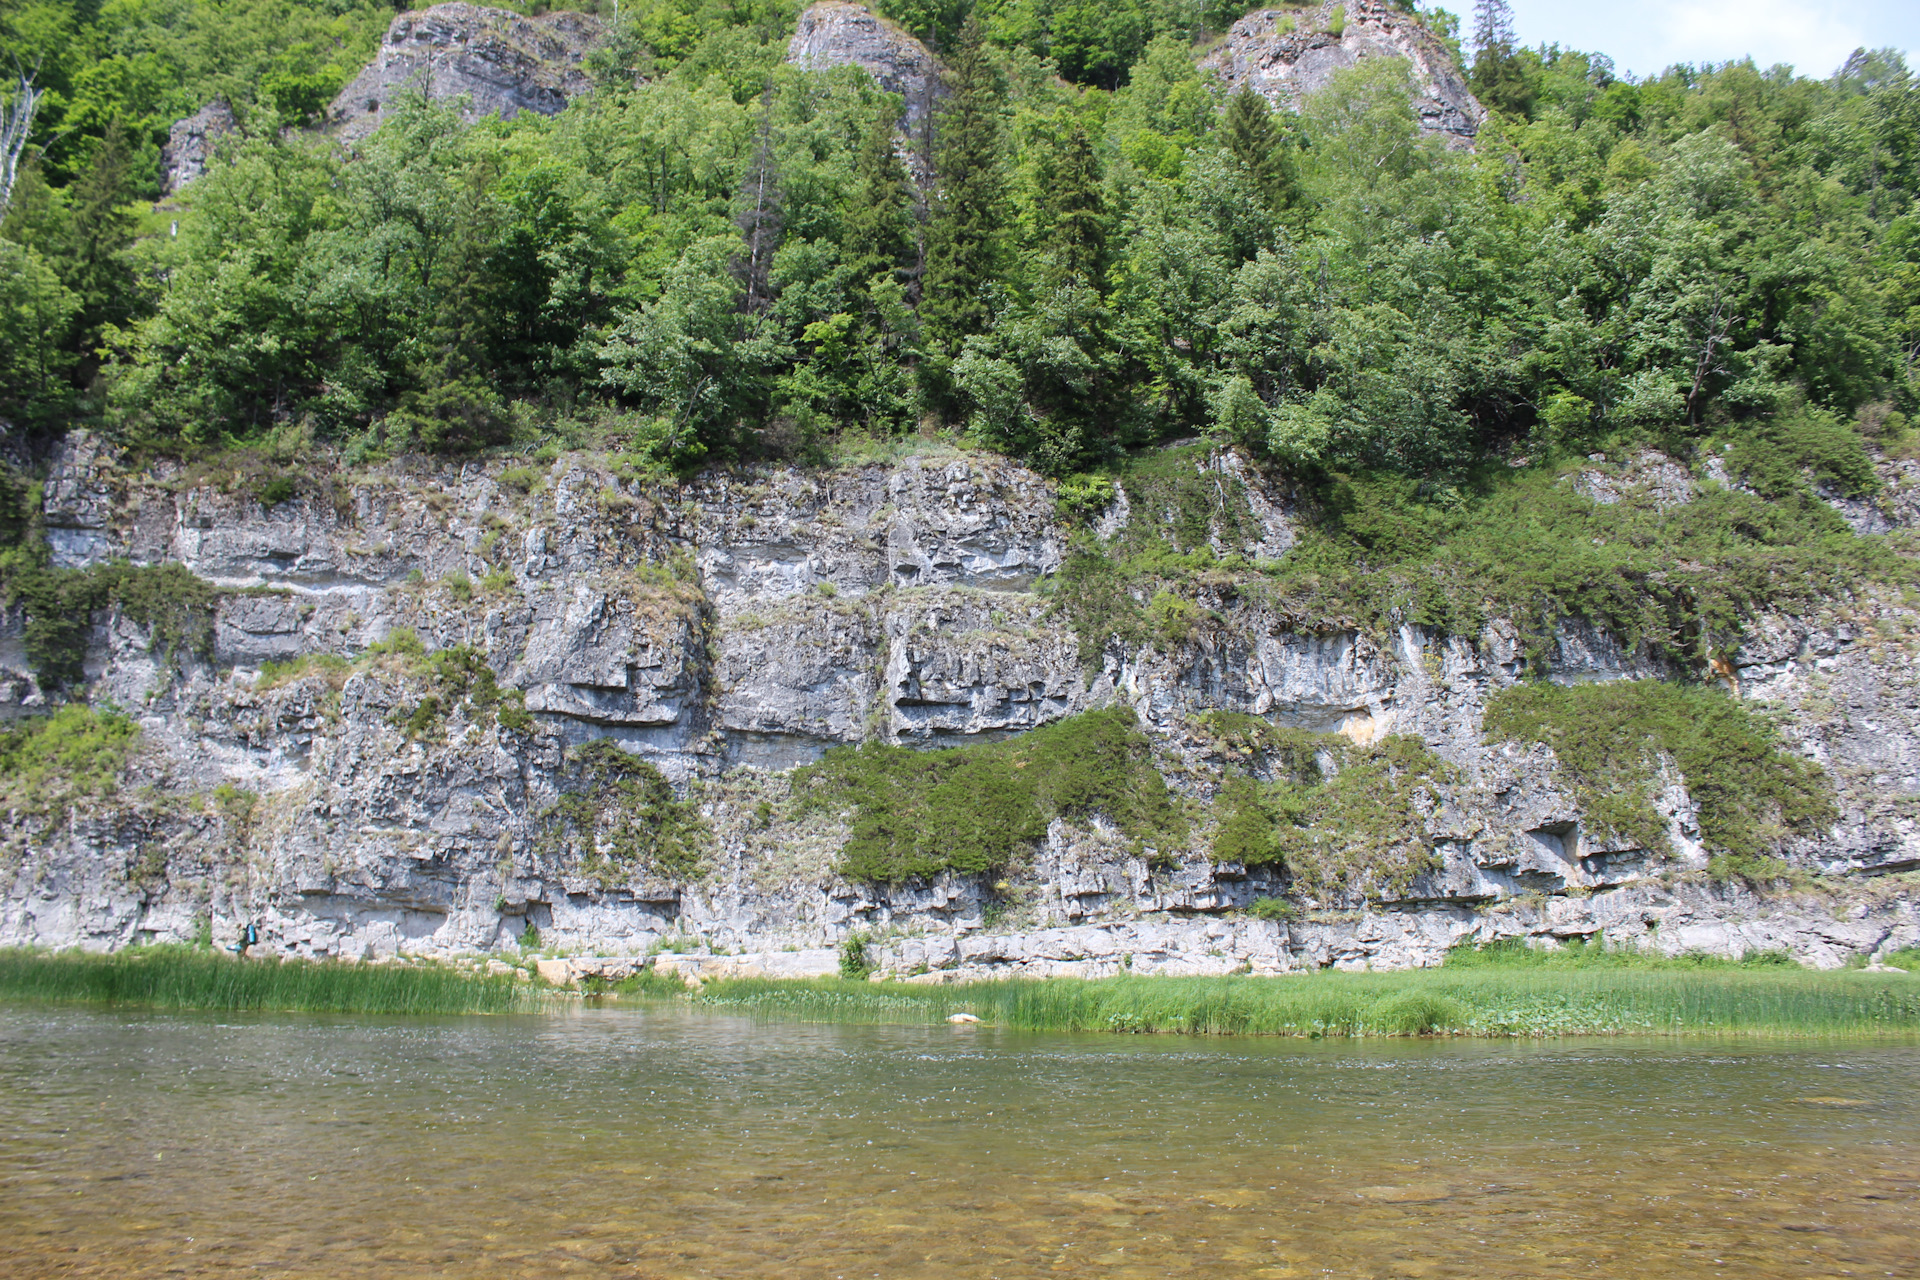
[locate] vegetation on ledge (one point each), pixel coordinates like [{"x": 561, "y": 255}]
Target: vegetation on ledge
[
  {"x": 1608, "y": 739},
  {"x": 976, "y": 809}
]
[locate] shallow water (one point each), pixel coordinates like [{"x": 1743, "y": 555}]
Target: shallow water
[{"x": 665, "y": 1143}]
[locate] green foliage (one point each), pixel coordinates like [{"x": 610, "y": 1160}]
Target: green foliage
[
  {"x": 1273, "y": 909},
  {"x": 1681, "y": 580},
  {"x": 964, "y": 235},
  {"x": 1179, "y": 507},
  {"x": 621, "y": 816},
  {"x": 1091, "y": 269},
  {"x": 174, "y": 606},
  {"x": 1608, "y": 740},
  {"x": 77, "y": 753},
  {"x": 1080, "y": 498},
  {"x": 1779, "y": 457},
  {"x": 1577, "y": 953},
  {"x": 975, "y": 810},
  {"x": 855, "y": 961},
  {"x": 329, "y": 666},
  {"x": 1363, "y": 831},
  {"x": 183, "y": 977}
]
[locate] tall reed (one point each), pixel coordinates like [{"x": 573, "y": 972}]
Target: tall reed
[
  {"x": 166, "y": 977},
  {"x": 1485, "y": 1002}
]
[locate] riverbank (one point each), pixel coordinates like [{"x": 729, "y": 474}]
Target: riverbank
[
  {"x": 1473, "y": 995},
  {"x": 187, "y": 978}
]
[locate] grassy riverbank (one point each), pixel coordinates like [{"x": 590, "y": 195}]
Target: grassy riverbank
[
  {"x": 1486, "y": 1001},
  {"x": 186, "y": 978}
]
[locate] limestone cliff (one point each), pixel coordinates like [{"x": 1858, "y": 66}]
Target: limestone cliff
[
  {"x": 835, "y": 33},
  {"x": 503, "y": 62},
  {"x": 1289, "y": 54},
  {"x": 379, "y": 746}
]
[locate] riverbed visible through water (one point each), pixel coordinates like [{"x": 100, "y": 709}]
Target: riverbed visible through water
[{"x": 666, "y": 1143}]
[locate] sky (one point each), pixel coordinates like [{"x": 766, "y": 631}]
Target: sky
[{"x": 1646, "y": 36}]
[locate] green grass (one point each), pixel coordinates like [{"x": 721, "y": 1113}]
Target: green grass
[
  {"x": 168, "y": 977},
  {"x": 1490, "y": 1001}
]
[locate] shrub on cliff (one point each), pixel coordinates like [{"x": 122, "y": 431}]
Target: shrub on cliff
[
  {"x": 52, "y": 761},
  {"x": 1608, "y": 741},
  {"x": 977, "y": 809},
  {"x": 618, "y": 816}
]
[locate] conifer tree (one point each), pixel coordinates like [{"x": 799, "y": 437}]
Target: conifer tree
[
  {"x": 1260, "y": 146},
  {"x": 968, "y": 209},
  {"x": 880, "y": 234},
  {"x": 1079, "y": 214},
  {"x": 99, "y": 234}
]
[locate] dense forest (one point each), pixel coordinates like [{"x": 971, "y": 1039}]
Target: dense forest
[{"x": 717, "y": 256}]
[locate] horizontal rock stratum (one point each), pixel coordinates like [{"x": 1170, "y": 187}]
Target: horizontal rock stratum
[{"x": 333, "y": 766}]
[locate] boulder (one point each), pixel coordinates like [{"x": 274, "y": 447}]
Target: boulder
[
  {"x": 1289, "y": 54},
  {"x": 190, "y": 144},
  {"x": 503, "y": 62}
]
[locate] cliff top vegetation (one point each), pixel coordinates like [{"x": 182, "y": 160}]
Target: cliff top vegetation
[{"x": 717, "y": 256}]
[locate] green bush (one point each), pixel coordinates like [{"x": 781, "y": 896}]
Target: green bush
[
  {"x": 975, "y": 809},
  {"x": 621, "y": 815},
  {"x": 1608, "y": 738},
  {"x": 174, "y": 605},
  {"x": 73, "y": 754},
  {"x": 1778, "y": 457},
  {"x": 855, "y": 961}
]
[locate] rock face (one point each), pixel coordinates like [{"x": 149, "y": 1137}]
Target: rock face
[
  {"x": 506, "y": 63},
  {"x": 190, "y": 144},
  {"x": 834, "y": 33},
  {"x": 354, "y": 800},
  {"x": 1289, "y": 54}
]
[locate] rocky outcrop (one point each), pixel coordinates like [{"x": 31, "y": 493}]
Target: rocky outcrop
[
  {"x": 190, "y": 144},
  {"x": 503, "y": 62},
  {"x": 1287, "y": 55},
  {"x": 835, "y": 33},
  {"x": 316, "y": 773}
]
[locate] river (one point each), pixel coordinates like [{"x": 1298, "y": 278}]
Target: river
[{"x": 665, "y": 1143}]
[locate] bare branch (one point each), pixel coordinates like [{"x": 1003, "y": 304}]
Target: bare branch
[{"x": 16, "y": 123}]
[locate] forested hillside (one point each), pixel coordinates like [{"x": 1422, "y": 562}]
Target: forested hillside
[{"x": 717, "y": 256}]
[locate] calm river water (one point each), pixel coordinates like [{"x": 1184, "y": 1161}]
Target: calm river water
[{"x": 666, "y": 1144}]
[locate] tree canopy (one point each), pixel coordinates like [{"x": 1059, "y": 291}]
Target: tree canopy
[{"x": 717, "y": 256}]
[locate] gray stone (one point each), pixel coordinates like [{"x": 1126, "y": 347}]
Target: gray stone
[
  {"x": 502, "y": 62},
  {"x": 1288, "y": 55}
]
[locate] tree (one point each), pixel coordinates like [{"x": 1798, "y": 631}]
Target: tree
[
  {"x": 94, "y": 261},
  {"x": 759, "y": 214},
  {"x": 879, "y": 236},
  {"x": 963, "y": 238},
  {"x": 16, "y": 125},
  {"x": 1079, "y": 214},
  {"x": 1260, "y": 147}
]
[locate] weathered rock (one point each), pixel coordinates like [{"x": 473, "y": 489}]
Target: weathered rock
[
  {"x": 835, "y": 33},
  {"x": 740, "y": 624},
  {"x": 191, "y": 142},
  {"x": 503, "y": 62},
  {"x": 1287, "y": 55}
]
